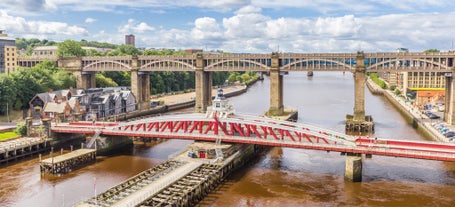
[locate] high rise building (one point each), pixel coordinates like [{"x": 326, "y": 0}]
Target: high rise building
[
  {"x": 8, "y": 53},
  {"x": 130, "y": 40}
]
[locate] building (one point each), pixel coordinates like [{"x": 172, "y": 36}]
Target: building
[
  {"x": 8, "y": 53},
  {"x": 193, "y": 51},
  {"x": 52, "y": 50},
  {"x": 130, "y": 40},
  {"x": 93, "y": 103}
]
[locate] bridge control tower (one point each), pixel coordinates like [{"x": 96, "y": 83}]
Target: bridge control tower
[{"x": 220, "y": 106}]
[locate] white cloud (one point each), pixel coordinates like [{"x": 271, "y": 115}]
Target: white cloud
[
  {"x": 132, "y": 27},
  {"x": 206, "y": 28},
  {"x": 90, "y": 20},
  {"x": 19, "y": 25}
]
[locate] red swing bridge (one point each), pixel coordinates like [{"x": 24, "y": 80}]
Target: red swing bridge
[{"x": 260, "y": 130}]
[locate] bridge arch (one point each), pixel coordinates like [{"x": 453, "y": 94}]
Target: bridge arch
[
  {"x": 164, "y": 65},
  {"x": 107, "y": 65},
  {"x": 289, "y": 66},
  {"x": 236, "y": 64},
  {"x": 393, "y": 61}
]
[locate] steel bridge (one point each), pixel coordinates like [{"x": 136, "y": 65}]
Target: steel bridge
[
  {"x": 374, "y": 62},
  {"x": 262, "y": 131}
]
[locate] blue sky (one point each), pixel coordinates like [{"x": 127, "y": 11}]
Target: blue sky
[{"x": 240, "y": 25}]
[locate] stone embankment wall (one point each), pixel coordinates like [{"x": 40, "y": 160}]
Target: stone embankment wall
[{"x": 413, "y": 116}]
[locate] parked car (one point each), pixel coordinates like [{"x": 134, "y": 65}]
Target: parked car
[
  {"x": 432, "y": 116},
  {"x": 449, "y": 134}
]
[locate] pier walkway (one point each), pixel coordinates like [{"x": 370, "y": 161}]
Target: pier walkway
[
  {"x": 66, "y": 162},
  {"x": 140, "y": 187}
]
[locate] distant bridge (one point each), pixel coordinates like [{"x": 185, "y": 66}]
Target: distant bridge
[{"x": 374, "y": 62}]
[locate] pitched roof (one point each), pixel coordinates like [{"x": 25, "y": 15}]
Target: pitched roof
[{"x": 55, "y": 107}]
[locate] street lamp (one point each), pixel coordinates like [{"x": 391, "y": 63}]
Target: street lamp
[{"x": 7, "y": 111}]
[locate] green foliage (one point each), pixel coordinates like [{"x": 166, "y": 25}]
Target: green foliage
[
  {"x": 375, "y": 78},
  {"x": 125, "y": 50},
  {"x": 245, "y": 77},
  {"x": 102, "y": 81},
  {"x": 19, "y": 87},
  {"x": 7, "y": 91},
  {"x": 165, "y": 52},
  {"x": 21, "y": 129},
  {"x": 70, "y": 48},
  {"x": 122, "y": 78},
  {"x": 397, "y": 92},
  {"x": 392, "y": 88},
  {"x": 431, "y": 50},
  {"x": 86, "y": 43},
  {"x": 29, "y": 44},
  {"x": 41, "y": 130}
]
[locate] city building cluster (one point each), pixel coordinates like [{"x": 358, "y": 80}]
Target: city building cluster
[{"x": 79, "y": 104}]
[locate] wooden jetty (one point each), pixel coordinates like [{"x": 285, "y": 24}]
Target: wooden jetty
[{"x": 67, "y": 162}]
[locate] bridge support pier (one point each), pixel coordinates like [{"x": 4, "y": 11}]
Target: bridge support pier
[
  {"x": 358, "y": 122},
  {"x": 449, "y": 115},
  {"x": 140, "y": 86},
  {"x": 353, "y": 169},
  {"x": 203, "y": 84},
  {"x": 276, "y": 88},
  {"x": 87, "y": 80}
]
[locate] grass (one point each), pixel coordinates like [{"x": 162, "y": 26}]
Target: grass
[{"x": 8, "y": 135}]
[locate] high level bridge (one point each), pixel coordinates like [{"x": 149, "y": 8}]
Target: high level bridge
[
  {"x": 264, "y": 131},
  {"x": 203, "y": 65}
]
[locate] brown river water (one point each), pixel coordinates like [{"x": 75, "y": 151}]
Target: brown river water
[{"x": 280, "y": 177}]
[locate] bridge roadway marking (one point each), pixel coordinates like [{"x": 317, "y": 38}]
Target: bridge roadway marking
[{"x": 154, "y": 187}]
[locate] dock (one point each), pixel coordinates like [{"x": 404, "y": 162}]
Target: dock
[
  {"x": 179, "y": 181},
  {"x": 21, "y": 147},
  {"x": 67, "y": 162}
]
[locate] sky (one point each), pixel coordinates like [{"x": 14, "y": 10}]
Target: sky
[{"x": 240, "y": 26}]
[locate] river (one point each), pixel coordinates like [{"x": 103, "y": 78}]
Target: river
[{"x": 281, "y": 177}]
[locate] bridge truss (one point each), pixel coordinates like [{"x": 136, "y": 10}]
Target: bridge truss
[{"x": 263, "y": 131}]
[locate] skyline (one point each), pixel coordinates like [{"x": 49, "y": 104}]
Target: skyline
[{"x": 239, "y": 25}]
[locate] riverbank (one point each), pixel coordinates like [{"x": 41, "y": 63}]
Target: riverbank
[{"x": 412, "y": 115}]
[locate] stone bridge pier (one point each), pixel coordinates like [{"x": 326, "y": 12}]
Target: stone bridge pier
[
  {"x": 203, "y": 84},
  {"x": 449, "y": 115},
  {"x": 276, "y": 87},
  {"x": 140, "y": 85},
  {"x": 84, "y": 79},
  {"x": 358, "y": 123}
]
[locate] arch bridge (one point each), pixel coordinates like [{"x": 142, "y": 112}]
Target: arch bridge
[
  {"x": 275, "y": 64},
  {"x": 264, "y": 131}
]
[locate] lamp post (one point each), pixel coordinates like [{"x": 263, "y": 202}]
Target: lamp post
[{"x": 7, "y": 111}]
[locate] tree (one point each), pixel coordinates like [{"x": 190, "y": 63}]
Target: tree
[
  {"x": 21, "y": 129},
  {"x": 431, "y": 50},
  {"x": 7, "y": 91},
  {"x": 70, "y": 48},
  {"x": 125, "y": 50},
  {"x": 102, "y": 81}
]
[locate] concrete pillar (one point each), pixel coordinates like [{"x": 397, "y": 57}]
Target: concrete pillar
[
  {"x": 359, "y": 88},
  {"x": 140, "y": 85},
  {"x": 449, "y": 115},
  {"x": 353, "y": 169},
  {"x": 203, "y": 84},
  {"x": 276, "y": 87}
]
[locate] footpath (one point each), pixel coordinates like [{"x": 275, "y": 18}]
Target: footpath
[{"x": 420, "y": 121}]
